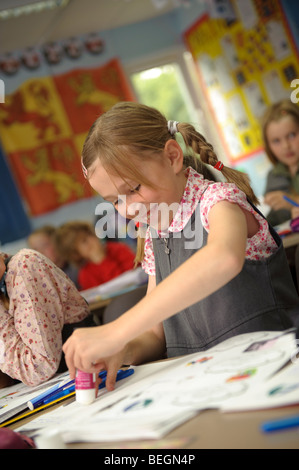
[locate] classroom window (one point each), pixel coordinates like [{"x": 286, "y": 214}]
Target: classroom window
[{"x": 164, "y": 88}]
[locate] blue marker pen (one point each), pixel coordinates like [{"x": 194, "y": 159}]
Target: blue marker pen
[
  {"x": 280, "y": 424},
  {"x": 58, "y": 395},
  {"x": 121, "y": 374},
  {"x": 288, "y": 199},
  {"x": 39, "y": 399},
  {"x": 66, "y": 389}
]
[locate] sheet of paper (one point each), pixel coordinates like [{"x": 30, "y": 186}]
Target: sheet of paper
[
  {"x": 159, "y": 396},
  {"x": 14, "y": 399},
  {"x": 126, "y": 281},
  {"x": 255, "y": 99},
  {"x": 278, "y": 38},
  {"x": 247, "y": 13},
  {"x": 280, "y": 390},
  {"x": 102, "y": 421}
]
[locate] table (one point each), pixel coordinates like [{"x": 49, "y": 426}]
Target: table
[
  {"x": 117, "y": 304},
  {"x": 99, "y": 304},
  {"x": 212, "y": 429},
  {"x": 291, "y": 240}
]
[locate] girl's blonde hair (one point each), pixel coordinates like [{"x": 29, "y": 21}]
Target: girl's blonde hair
[
  {"x": 133, "y": 129},
  {"x": 273, "y": 114}
]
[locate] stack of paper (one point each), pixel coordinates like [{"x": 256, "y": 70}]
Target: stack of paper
[
  {"x": 14, "y": 400},
  {"x": 125, "y": 282},
  {"x": 284, "y": 228},
  {"x": 237, "y": 374}
]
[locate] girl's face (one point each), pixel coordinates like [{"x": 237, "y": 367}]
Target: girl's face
[
  {"x": 87, "y": 245},
  {"x": 155, "y": 205},
  {"x": 283, "y": 140},
  {"x": 43, "y": 244}
]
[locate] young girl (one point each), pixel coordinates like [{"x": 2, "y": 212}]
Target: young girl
[
  {"x": 97, "y": 262},
  {"x": 43, "y": 239},
  {"x": 37, "y": 300},
  {"x": 281, "y": 137},
  {"x": 230, "y": 278}
]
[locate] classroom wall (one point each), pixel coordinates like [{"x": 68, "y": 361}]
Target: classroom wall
[
  {"x": 258, "y": 165},
  {"x": 131, "y": 44}
]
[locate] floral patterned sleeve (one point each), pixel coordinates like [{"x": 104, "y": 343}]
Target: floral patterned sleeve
[
  {"x": 41, "y": 300},
  {"x": 262, "y": 244}
]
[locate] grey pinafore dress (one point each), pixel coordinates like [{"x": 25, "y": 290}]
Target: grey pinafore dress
[{"x": 261, "y": 297}]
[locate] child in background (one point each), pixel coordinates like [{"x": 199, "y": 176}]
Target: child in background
[
  {"x": 281, "y": 137},
  {"x": 43, "y": 240},
  {"x": 97, "y": 262},
  {"x": 216, "y": 268},
  {"x": 38, "y": 303}
]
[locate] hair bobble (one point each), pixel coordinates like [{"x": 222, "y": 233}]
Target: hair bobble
[
  {"x": 83, "y": 169},
  {"x": 219, "y": 166},
  {"x": 172, "y": 127}
]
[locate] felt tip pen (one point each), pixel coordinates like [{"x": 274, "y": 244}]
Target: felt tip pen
[
  {"x": 280, "y": 424},
  {"x": 58, "y": 395},
  {"x": 39, "y": 399},
  {"x": 121, "y": 374},
  {"x": 53, "y": 391},
  {"x": 294, "y": 203}
]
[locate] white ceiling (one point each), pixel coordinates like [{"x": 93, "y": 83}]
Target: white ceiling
[{"x": 79, "y": 17}]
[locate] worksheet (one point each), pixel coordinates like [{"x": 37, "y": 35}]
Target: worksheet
[
  {"x": 280, "y": 390},
  {"x": 14, "y": 399},
  {"x": 160, "y": 396}
]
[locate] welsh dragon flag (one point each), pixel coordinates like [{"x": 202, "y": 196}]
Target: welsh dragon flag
[{"x": 43, "y": 125}]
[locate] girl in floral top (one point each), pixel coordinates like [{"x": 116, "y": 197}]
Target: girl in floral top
[
  {"x": 37, "y": 300},
  {"x": 216, "y": 268}
]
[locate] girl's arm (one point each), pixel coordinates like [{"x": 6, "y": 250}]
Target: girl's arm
[
  {"x": 202, "y": 274},
  {"x": 41, "y": 299},
  {"x": 149, "y": 346}
]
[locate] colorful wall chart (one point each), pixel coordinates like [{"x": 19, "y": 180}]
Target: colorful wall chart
[
  {"x": 244, "y": 64},
  {"x": 43, "y": 125}
]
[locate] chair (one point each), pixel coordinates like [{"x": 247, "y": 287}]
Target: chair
[{"x": 122, "y": 303}]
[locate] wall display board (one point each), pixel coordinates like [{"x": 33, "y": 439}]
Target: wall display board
[
  {"x": 43, "y": 125},
  {"x": 245, "y": 63}
]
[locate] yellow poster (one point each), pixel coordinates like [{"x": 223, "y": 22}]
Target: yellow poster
[{"x": 244, "y": 65}]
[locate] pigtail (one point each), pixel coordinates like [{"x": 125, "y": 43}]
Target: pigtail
[
  {"x": 139, "y": 251},
  {"x": 200, "y": 147}
]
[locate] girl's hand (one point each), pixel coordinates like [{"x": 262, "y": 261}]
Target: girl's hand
[
  {"x": 94, "y": 349},
  {"x": 275, "y": 200}
]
